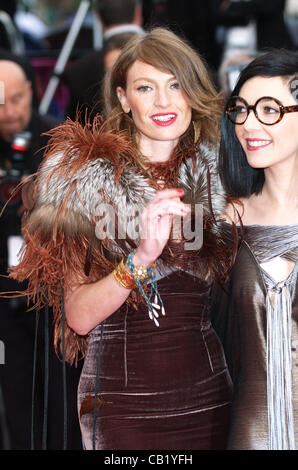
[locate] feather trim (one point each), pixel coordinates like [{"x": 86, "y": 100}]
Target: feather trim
[{"x": 84, "y": 169}]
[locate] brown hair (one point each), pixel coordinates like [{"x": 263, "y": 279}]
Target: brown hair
[{"x": 164, "y": 50}]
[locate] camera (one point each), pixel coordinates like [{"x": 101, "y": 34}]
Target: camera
[{"x": 12, "y": 172}]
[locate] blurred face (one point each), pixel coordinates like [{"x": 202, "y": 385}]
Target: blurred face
[
  {"x": 267, "y": 146},
  {"x": 15, "y": 112},
  {"x": 159, "y": 107}
]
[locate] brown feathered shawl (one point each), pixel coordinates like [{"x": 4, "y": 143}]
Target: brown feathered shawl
[{"x": 88, "y": 169}]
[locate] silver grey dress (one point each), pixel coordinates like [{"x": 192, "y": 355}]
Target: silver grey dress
[{"x": 259, "y": 330}]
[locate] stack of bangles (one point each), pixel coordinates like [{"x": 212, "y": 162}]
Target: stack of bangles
[
  {"x": 137, "y": 274},
  {"x": 135, "y": 278}
]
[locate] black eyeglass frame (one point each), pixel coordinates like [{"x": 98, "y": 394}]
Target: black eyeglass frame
[{"x": 282, "y": 109}]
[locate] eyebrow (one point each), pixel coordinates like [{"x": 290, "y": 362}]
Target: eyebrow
[
  {"x": 147, "y": 79},
  {"x": 269, "y": 98}
]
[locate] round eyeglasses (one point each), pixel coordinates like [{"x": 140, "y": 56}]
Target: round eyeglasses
[{"x": 267, "y": 110}]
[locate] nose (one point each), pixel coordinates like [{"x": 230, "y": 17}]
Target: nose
[{"x": 162, "y": 98}]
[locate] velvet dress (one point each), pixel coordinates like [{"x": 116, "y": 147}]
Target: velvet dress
[
  {"x": 163, "y": 387},
  {"x": 259, "y": 329}
]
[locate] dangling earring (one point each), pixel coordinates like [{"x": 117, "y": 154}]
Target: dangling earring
[{"x": 196, "y": 130}]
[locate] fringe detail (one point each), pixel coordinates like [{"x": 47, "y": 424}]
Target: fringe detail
[{"x": 279, "y": 369}]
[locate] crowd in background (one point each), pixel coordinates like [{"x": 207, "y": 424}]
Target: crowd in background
[{"x": 224, "y": 32}]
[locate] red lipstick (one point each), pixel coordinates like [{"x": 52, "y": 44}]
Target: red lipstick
[
  {"x": 164, "y": 119},
  {"x": 257, "y": 144}
]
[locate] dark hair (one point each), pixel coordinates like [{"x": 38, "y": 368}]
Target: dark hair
[
  {"x": 238, "y": 177},
  {"x": 117, "y": 41},
  {"x": 116, "y": 11}
]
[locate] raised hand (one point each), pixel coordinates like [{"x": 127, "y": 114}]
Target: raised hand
[{"x": 156, "y": 224}]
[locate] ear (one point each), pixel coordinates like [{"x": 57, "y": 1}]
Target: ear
[{"x": 123, "y": 99}]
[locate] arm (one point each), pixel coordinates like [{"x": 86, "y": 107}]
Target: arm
[{"x": 88, "y": 305}]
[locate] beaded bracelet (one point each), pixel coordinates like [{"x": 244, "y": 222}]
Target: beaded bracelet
[{"x": 141, "y": 274}]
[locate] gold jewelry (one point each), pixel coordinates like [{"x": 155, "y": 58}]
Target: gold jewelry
[
  {"x": 123, "y": 277},
  {"x": 140, "y": 273}
]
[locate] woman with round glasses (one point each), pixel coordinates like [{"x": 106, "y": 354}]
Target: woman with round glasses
[{"x": 259, "y": 170}]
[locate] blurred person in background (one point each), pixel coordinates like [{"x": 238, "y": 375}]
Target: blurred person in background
[
  {"x": 230, "y": 69},
  {"x": 259, "y": 22},
  {"x": 291, "y": 18},
  {"x": 84, "y": 75},
  {"x": 10, "y": 36},
  {"x": 191, "y": 19}
]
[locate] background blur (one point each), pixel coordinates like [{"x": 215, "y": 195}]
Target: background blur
[{"x": 216, "y": 28}]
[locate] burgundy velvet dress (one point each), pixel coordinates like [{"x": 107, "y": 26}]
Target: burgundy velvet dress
[{"x": 163, "y": 387}]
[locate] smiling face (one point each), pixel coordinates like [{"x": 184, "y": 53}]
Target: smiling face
[
  {"x": 159, "y": 107},
  {"x": 266, "y": 146}
]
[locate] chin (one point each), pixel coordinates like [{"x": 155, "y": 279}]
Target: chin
[
  {"x": 256, "y": 161},
  {"x": 260, "y": 163}
]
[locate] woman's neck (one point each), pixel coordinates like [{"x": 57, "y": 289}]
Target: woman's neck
[
  {"x": 155, "y": 150},
  {"x": 277, "y": 203},
  {"x": 281, "y": 186}
]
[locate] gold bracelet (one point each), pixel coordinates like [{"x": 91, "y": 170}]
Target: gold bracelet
[{"x": 123, "y": 277}]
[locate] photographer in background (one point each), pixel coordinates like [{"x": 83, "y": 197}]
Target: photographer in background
[
  {"x": 21, "y": 149},
  {"x": 16, "y": 117}
]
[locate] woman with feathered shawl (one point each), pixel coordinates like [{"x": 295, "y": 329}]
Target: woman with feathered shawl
[{"x": 130, "y": 293}]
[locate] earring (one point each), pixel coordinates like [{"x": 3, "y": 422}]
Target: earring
[{"x": 196, "y": 130}]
